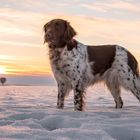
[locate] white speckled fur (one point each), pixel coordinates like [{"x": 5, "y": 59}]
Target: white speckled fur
[{"x": 73, "y": 71}]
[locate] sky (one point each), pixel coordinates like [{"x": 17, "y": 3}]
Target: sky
[{"x": 22, "y": 52}]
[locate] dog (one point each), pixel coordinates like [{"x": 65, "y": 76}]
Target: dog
[{"x": 77, "y": 66}]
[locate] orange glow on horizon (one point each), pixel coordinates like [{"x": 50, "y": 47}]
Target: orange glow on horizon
[
  {"x": 30, "y": 72},
  {"x": 21, "y": 70},
  {"x": 13, "y": 65}
]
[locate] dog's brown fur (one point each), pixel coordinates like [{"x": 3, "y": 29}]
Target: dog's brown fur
[{"x": 61, "y": 33}]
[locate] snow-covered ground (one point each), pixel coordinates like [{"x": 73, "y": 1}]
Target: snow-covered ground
[{"x": 29, "y": 113}]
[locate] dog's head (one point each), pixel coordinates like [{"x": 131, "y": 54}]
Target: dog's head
[{"x": 58, "y": 33}]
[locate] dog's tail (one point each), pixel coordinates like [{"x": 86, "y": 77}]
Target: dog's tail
[{"x": 133, "y": 70}]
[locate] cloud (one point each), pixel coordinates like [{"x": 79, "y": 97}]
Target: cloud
[
  {"x": 20, "y": 28},
  {"x": 27, "y": 30},
  {"x": 21, "y": 21},
  {"x": 20, "y": 44},
  {"x": 104, "y": 6}
]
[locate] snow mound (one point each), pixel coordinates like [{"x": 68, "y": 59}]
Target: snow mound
[{"x": 29, "y": 113}]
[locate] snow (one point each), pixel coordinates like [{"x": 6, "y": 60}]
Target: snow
[{"x": 29, "y": 113}]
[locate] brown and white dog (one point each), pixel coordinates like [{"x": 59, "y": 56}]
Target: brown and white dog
[{"x": 77, "y": 66}]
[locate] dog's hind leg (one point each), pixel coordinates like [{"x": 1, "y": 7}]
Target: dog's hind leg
[{"x": 114, "y": 87}]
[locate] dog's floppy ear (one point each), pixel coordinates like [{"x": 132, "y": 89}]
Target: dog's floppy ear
[
  {"x": 45, "y": 26},
  {"x": 69, "y": 32},
  {"x": 44, "y": 30}
]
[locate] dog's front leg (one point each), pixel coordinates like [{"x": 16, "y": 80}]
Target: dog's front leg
[
  {"x": 63, "y": 90},
  {"x": 79, "y": 98}
]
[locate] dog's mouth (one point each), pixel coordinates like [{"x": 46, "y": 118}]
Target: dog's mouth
[
  {"x": 55, "y": 42},
  {"x": 49, "y": 40},
  {"x": 52, "y": 42}
]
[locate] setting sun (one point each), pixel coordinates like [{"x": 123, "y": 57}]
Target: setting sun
[{"x": 2, "y": 70}]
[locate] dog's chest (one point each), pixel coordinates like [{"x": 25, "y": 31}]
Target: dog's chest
[{"x": 69, "y": 64}]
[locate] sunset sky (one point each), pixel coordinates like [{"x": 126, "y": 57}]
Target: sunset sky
[{"x": 22, "y": 51}]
